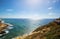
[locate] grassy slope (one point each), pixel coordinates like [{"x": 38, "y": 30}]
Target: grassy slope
[{"x": 48, "y": 31}]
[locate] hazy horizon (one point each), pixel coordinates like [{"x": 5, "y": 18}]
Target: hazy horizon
[{"x": 31, "y": 9}]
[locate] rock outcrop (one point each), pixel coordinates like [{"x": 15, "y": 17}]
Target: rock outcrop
[{"x": 3, "y": 28}]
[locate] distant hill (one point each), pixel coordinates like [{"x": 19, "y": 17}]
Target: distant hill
[{"x": 48, "y": 31}]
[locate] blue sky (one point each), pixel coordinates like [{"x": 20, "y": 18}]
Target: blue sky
[{"x": 33, "y": 9}]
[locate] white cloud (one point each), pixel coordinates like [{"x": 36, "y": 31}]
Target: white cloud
[
  {"x": 9, "y": 9},
  {"x": 32, "y": 16},
  {"x": 54, "y": 1},
  {"x": 50, "y": 8},
  {"x": 50, "y": 14}
]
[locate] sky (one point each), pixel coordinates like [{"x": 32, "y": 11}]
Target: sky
[{"x": 33, "y": 9}]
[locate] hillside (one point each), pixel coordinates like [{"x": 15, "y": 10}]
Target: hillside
[{"x": 48, "y": 31}]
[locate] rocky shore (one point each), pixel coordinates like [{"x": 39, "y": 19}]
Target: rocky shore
[{"x": 4, "y": 28}]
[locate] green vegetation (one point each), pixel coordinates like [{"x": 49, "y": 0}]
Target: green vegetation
[{"x": 48, "y": 31}]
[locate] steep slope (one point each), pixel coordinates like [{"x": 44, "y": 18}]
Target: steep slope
[{"x": 48, "y": 31}]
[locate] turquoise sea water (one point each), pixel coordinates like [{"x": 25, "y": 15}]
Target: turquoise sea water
[{"x": 23, "y": 26}]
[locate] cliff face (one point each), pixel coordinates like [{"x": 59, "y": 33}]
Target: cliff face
[{"x": 48, "y": 31}]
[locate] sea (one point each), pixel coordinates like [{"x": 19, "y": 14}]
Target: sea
[{"x": 23, "y": 26}]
